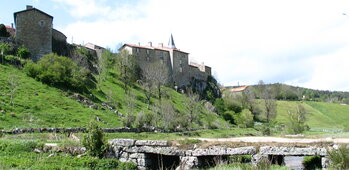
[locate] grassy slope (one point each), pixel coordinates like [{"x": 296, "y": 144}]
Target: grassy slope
[
  {"x": 38, "y": 105},
  {"x": 322, "y": 115}
]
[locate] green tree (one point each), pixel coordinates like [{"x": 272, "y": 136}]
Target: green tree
[
  {"x": 244, "y": 119},
  {"x": 339, "y": 157},
  {"x": 94, "y": 141},
  {"x": 297, "y": 119},
  {"x": 3, "y": 31}
]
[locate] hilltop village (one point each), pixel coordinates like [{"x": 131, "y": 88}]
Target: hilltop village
[{"x": 34, "y": 29}]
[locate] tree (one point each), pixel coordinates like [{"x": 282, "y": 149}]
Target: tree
[
  {"x": 3, "y": 31},
  {"x": 297, "y": 119},
  {"x": 13, "y": 84},
  {"x": 129, "y": 69},
  {"x": 193, "y": 107},
  {"x": 94, "y": 141},
  {"x": 156, "y": 75},
  {"x": 4, "y": 49},
  {"x": 266, "y": 93},
  {"x": 102, "y": 66}
]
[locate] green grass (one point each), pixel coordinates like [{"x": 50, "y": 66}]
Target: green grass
[
  {"x": 39, "y": 105},
  {"x": 322, "y": 116}
]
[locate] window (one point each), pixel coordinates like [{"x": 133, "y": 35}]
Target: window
[
  {"x": 180, "y": 69},
  {"x": 137, "y": 50},
  {"x": 42, "y": 23},
  {"x": 148, "y": 58},
  {"x": 180, "y": 62},
  {"x": 148, "y": 52}
]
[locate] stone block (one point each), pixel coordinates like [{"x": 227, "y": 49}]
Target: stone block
[
  {"x": 151, "y": 143},
  {"x": 122, "y": 142},
  {"x": 241, "y": 151}
]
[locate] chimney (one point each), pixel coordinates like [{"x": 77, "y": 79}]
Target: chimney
[
  {"x": 139, "y": 44},
  {"x": 161, "y": 45},
  {"x": 29, "y": 7},
  {"x": 150, "y": 44},
  {"x": 11, "y": 25}
]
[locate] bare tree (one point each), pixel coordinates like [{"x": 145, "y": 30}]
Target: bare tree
[
  {"x": 267, "y": 94},
  {"x": 13, "y": 86},
  {"x": 148, "y": 87},
  {"x": 297, "y": 119},
  {"x": 193, "y": 106},
  {"x": 129, "y": 69},
  {"x": 102, "y": 66},
  {"x": 156, "y": 74}
]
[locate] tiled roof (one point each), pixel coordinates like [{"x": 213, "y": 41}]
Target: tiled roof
[
  {"x": 238, "y": 89},
  {"x": 154, "y": 48}
]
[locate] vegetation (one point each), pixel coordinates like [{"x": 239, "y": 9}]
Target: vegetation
[
  {"x": 94, "y": 141},
  {"x": 339, "y": 157},
  {"x": 58, "y": 71},
  {"x": 3, "y": 31},
  {"x": 312, "y": 162}
]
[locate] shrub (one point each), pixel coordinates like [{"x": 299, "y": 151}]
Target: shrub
[
  {"x": 58, "y": 71},
  {"x": 244, "y": 119},
  {"x": 23, "y": 52},
  {"x": 229, "y": 116},
  {"x": 312, "y": 162},
  {"x": 127, "y": 166},
  {"x": 339, "y": 158},
  {"x": 94, "y": 141}
]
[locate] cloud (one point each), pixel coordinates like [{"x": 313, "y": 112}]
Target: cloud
[{"x": 243, "y": 41}]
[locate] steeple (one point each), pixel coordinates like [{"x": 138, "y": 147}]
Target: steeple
[{"x": 171, "y": 43}]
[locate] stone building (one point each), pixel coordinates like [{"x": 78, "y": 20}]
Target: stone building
[
  {"x": 172, "y": 61},
  {"x": 34, "y": 31}
]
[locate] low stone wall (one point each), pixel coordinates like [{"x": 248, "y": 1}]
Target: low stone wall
[
  {"x": 146, "y": 153},
  {"x": 81, "y": 129}
]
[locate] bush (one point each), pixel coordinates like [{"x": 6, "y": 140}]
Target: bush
[
  {"x": 23, "y": 52},
  {"x": 127, "y": 166},
  {"x": 229, "y": 116},
  {"x": 312, "y": 162},
  {"x": 244, "y": 119},
  {"x": 339, "y": 158},
  {"x": 58, "y": 71},
  {"x": 94, "y": 141}
]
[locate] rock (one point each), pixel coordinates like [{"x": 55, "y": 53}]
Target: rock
[
  {"x": 151, "y": 143},
  {"x": 122, "y": 142},
  {"x": 189, "y": 162},
  {"x": 268, "y": 150},
  {"x": 241, "y": 151},
  {"x": 37, "y": 150}
]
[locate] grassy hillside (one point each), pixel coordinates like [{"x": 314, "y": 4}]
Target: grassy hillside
[
  {"x": 39, "y": 105},
  {"x": 321, "y": 115}
]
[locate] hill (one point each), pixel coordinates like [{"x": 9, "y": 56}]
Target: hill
[{"x": 36, "y": 104}]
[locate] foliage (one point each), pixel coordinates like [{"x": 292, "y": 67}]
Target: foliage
[
  {"x": 212, "y": 91},
  {"x": 244, "y": 119},
  {"x": 297, "y": 119},
  {"x": 3, "y": 31},
  {"x": 94, "y": 141},
  {"x": 23, "y": 52},
  {"x": 103, "y": 64},
  {"x": 58, "y": 71},
  {"x": 4, "y": 50},
  {"x": 339, "y": 158},
  {"x": 229, "y": 116},
  {"x": 312, "y": 162}
]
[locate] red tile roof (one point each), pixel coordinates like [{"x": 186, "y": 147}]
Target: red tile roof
[
  {"x": 154, "y": 48},
  {"x": 238, "y": 89}
]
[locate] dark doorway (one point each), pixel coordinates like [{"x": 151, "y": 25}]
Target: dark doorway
[{"x": 163, "y": 161}]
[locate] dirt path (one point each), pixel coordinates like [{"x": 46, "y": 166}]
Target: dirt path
[{"x": 277, "y": 140}]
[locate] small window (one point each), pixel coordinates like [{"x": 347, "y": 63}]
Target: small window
[
  {"x": 147, "y": 51},
  {"x": 137, "y": 50},
  {"x": 42, "y": 23},
  {"x": 180, "y": 61},
  {"x": 148, "y": 58},
  {"x": 180, "y": 69}
]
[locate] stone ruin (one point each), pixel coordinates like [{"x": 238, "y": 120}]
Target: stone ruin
[{"x": 153, "y": 154}]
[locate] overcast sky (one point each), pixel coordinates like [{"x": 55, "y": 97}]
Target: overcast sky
[{"x": 298, "y": 42}]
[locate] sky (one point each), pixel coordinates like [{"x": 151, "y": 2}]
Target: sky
[{"x": 298, "y": 42}]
